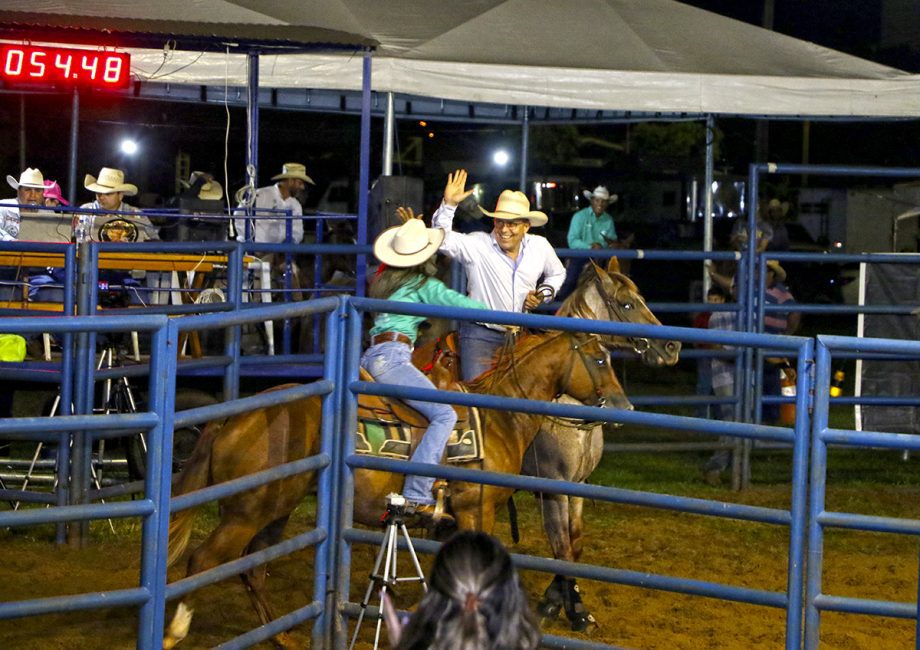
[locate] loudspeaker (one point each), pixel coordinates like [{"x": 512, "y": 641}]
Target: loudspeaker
[{"x": 387, "y": 194}]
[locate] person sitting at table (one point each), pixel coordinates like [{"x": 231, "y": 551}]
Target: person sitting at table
[
  {"x": 53, "y": 196},
  {"x": 129, "y": 225}
]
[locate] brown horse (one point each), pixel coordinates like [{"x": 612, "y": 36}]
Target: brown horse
[{"x": 555, "y": 363}]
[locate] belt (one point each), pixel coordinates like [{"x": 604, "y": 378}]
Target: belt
[{"x": 385, "y": 337}]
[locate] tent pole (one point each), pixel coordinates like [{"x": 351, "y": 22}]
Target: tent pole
[
  {"x": 525, "y": 145},
  {"x": 252, "y": 121},
  {"x": 74, "y": 134},
  {"x": 389, "y": 129},
  {"x": 707, "y": 198}
]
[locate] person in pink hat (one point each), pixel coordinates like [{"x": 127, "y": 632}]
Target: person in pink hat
[{"x": 53, "y": 195}]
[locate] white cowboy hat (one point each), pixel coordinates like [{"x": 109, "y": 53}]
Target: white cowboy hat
[
  {"x": 407, "y": 245},
  {"x": 29, "y": 178},
  {"x": 293, "y": 170},
  {"x": 209, "y": 191},
  {"x": 601, "y": 192},
  {"x": 109, "y": 181},
  {"x": 513, "y": 205}
]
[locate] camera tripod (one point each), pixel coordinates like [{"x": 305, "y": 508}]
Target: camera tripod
[{"x": 394, "y": 519}]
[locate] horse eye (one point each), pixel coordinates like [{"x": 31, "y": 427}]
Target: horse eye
[
  {"x": 627, "y": 306},
  {"x": 601, "y": 362}
]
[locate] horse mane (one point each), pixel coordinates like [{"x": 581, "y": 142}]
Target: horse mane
[{"x": 504, "y": 363}]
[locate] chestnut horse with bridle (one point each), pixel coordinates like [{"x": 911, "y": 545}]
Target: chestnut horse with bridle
[{"x": 555, "y": 362}]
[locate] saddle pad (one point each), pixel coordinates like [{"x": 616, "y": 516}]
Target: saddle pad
[{"x": 394, "y": 439}]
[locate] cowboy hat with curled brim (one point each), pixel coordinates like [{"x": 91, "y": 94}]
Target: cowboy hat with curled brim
[
  {"x": 293, "y": 170},
  {"x": 782, "y": 207},
  {"x": 780, "y": 272},
  {"x": 29, "y": 178},
  {"x": 601, "y": 192},
  {"x": 407, "y": 245},
  {"x": 109, "y": 181},
  {"x": 514, "y": 205},
  {"x": 210, "y": 190}
]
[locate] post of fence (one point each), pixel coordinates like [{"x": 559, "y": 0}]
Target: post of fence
[
  {"x": 327, "y": 489},
  {"x": 232, "y": 335},
  {"x": 158, "y": 484},
  {"x": 346, "y": 481}
]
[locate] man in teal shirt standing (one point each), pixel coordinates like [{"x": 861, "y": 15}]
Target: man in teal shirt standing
[{"x": 591, "y": 228}]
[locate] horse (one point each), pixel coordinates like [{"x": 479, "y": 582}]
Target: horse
[
  {"x": 556, "y": 363},
  {"x": 571, "y": 450}
]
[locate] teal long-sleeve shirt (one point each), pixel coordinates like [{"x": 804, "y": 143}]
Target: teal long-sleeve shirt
[
  {"x": 432, "y": 292},
  {"x": 586, "y": 229}
]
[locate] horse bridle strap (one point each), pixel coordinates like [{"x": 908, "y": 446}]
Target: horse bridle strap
[
  {"x": 639, "y": 344},
  {"x": 577, "y": 342}
]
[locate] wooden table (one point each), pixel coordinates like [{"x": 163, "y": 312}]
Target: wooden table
[{"x": 202, "y": 266}]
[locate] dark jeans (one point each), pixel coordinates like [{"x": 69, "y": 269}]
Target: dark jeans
[{"x": 478, "y": 345}]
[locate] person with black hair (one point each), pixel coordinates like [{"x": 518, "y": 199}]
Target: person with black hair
[
  {"x": 474, "y": 602},
  {"x": 407, "y": 274}
]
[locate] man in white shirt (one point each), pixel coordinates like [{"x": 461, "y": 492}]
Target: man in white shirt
[
  {"x": 128, "y": 226},
  {"x": 29, "y": 191},
  {"x": 502, "y": 267},
  {"x": 282, "y": 195}
]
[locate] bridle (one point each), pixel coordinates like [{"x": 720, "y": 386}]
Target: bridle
[
  {"x": 593, "y": 365},
  {"x": 640, "y": 345}
]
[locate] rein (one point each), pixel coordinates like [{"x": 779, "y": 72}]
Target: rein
[{"x": 576, "y": 343}]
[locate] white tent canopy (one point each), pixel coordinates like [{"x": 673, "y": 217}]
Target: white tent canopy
[{"x": 624, "y": 55}]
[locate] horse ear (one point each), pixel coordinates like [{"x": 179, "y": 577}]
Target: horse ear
[{"x": 613, "y": 266}]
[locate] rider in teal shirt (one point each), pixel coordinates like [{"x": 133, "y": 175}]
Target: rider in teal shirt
[{"x": 591, "y": 228}]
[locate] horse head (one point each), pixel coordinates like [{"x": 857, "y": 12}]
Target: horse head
[
  {"x": 614, "y": 297},
  {"x": 590, "y": 378}
]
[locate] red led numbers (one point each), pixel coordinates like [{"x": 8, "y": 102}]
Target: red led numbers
[{"x": 58, "y": 65}]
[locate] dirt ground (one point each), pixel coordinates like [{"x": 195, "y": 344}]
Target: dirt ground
[{"x": 624, "y": 537}]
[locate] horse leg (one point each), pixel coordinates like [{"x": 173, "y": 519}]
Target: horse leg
[
  {"x": 555, "y": 509},
  {"x": 575, "y": 610},
  {"x": 254, "y": 579},
  {"x": 225, "y": 543}
]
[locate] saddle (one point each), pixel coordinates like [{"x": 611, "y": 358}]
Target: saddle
[{"x": 388, "y": 426}]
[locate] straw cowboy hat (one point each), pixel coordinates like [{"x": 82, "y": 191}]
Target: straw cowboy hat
[
  {"x": 209, "y": 191},
  {"x": 29, "y": 178},
  {"x": 780, "y": 272},
  {"x": 515, "y": 205},
  {"x": 293, "y": 170},
  {"x": 53, "y": 191},
  {"x": 109, "y": 181},
  {"x": 601, "y": 192},
  {"x": 407, "y": 245}
]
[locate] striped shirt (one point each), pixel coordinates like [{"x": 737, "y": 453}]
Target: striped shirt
[{"x": 777, "y": 322}]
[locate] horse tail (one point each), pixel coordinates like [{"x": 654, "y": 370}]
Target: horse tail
[
  {"x": 195, "y": 475},
  {"x": 513, "y": 520}
]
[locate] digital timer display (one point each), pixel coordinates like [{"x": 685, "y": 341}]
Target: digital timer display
[{"x": 57, "y": 65}]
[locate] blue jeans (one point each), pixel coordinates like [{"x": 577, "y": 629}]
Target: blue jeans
[
  {"x": 477, "y": 348},
  {"x": 391, "y": 363}
]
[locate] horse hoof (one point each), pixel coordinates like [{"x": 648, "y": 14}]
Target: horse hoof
[
  {"x": 587, "y": 624},
  {"x": 548, "y": 610}
]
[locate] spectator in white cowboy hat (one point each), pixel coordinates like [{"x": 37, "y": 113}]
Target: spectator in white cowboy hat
[
  {"x": 283, "y": 195},
  {"x": 502, "y": 267},
  {"x": 29, "y": 189},
  {"x": 129, "y": 225},
  {"x": 592, "y": 228}
]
